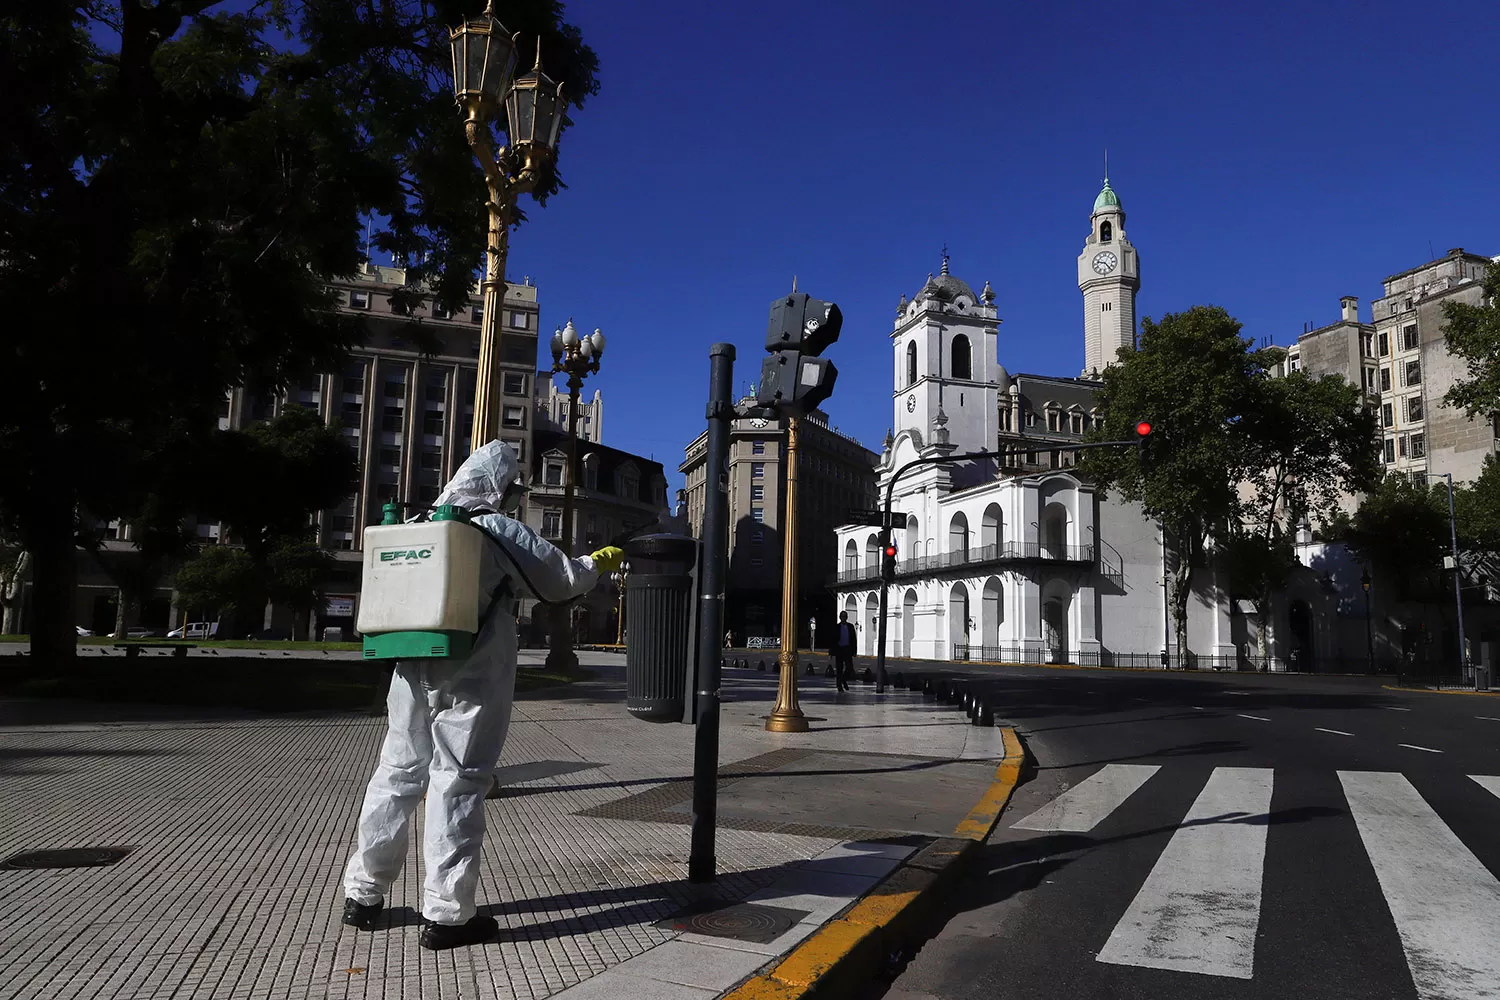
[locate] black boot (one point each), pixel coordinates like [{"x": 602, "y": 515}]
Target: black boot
[
  {"x": 360, "y": 916},
  {"x": 480, "y": 928}
]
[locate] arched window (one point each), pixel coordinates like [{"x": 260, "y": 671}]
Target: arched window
[
  {"x": 1106, "y": 231},
  {"x": 961, "y": 366},
  {"x": 911, "y": 363}
]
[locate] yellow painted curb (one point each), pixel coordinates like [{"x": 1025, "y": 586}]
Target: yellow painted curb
[
  {"x": 1481, "y": 694},
  {"x": 986, "y": 813},
  {"x": 872, "y": 927}
]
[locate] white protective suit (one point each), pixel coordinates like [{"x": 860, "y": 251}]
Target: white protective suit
[{"x": 448, "y": 717}]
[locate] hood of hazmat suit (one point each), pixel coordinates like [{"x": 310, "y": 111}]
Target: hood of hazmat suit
[{"x": 448, "y": 717}]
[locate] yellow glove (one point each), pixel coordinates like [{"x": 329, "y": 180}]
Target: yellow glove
[{"x": 608, "y": 559}]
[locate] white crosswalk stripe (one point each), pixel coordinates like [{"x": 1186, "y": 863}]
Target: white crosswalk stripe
[
  {"x": 1198, "y": 910},
  {"x": 1082, "y": 807},
  {"x": 1200, "y": 906},
  {"x": 1445, "y": 903}
]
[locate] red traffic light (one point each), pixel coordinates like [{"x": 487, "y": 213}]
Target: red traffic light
[
  {"x": 890, "y": 551},
  {"x": 1143, "y": 428}
]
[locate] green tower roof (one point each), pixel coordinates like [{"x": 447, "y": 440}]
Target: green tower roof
[{"x": 1107, "y": 198}]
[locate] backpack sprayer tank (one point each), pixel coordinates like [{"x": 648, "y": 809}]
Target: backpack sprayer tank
[{"x": 419, "y": 591}]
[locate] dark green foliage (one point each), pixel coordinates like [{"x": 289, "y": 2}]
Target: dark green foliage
[
  {"x": 1235, "y": 455},
  {"x": 1473, "y": 334},
  {"x": 173, "y": 201},
  {"x": 1402, "y": 531}
]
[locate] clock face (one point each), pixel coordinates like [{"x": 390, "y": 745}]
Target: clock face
[
  {"x": 758, "y": 422},
  {"x": 1104, "y": 262},
  {"x": 911, "y": 403}
]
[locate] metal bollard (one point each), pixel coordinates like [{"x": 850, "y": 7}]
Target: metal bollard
[
  {"x": 659, "y": 606},
  {"x": 986, "y": 715},
  {"x": 929, "y": 689}
]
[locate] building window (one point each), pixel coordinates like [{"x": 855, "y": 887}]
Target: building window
[
  {"x": 552, "y": 474},
  {"x": 1385, "y": 344},
  {"x": 1370, "y": 380},
  {"x": 476, "y": 314},
  {"x": 911, "y": 363},
  {"x": 390, "y": 457},
  {"x": 397, "y": 307},
  {"x": 1419, "y": 446},
  {"x": 1294, "y": 362},
  {"x": 1414, "y": 408},
  {"x": 1385, "y": 380},
  {"x": 1005, "y": 418},
  {"x": 1368, "y": 340},
  {"x": 513, "y": 416},
  {"x": 392, "y": 419},
  {"x": 438, "y": 312},
  {"x": 962, "y": 366},
  {"x": 552, "y": 524},
  {"x": 518, "y": 320},
  {"x": 515, "y": 384},
  {"x": 1106, "y": 231},
  {"x": 758, "y": 514},
  {"x": 359, "y": 300},
  {"x": 758, "y": 536},
  {"x": 1054, "y": 420},
  {"x": 474, "y": 347},
  {"x": 758, "y": 491},
  {"x": 1414, "y": 373},
  {"x": 1401, "y": 446},
  {"x": 757, "y": 470},
  {"x": 1409, "y": 337},
  {"x": 1075, "y": 423},
  {"x": 757, "y": 447},
  {"x": 432, "y": 422},
  {"x": 1387, "y": 415},
  {"x": 519, "y": 447},
  {"x": 1418, "y": 479},
  {"x": 1390, "y": 450}
]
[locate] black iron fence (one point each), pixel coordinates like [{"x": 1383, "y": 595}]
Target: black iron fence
[
  {"x": 1406, "y": 671},
  {"x": 985, "y": 555}
]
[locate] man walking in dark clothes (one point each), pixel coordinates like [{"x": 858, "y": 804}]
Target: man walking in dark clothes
[{"x": 843, "y": 651}]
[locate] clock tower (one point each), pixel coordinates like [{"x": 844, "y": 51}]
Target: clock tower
[{"x": 1108, "y": 275}]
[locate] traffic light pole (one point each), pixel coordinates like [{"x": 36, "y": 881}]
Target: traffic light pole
[
  {"x": 886, "y": 531},
  {"x": 701, "y": 862}
]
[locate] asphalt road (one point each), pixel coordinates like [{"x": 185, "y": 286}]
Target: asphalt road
[{"x": 1232, "y": 836}]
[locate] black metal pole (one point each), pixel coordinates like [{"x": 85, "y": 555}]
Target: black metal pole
[
  {"x": 1369, "y": 630},
  {"x": 701, "y": 864}
]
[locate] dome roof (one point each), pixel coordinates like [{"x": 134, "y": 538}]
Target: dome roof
[
  {"x": 1107, "y": 198},
  {"x": 945, "y": 287}
]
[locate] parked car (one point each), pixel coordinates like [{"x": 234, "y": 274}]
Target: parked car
[
  {"x": 195, "y": 630},
  {"x": 137, "y": 633},
  {"x": 82, "y": 631}
]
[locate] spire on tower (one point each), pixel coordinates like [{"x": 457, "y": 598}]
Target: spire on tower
[{"x": 945, "y": 260}]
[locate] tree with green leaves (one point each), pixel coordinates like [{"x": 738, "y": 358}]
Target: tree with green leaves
[
  {"x": 179, "y": 181},
  {"x": 1401, "y": 530},
  {"x": 1473, "y": 334},
  {"x": 1236, "y": 457}
]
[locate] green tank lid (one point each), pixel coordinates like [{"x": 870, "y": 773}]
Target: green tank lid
[
  {"x": 391, "y": 514},
  {"x": 448, "y": 512}
]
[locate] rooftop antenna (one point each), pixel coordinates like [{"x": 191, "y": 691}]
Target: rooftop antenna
[{"x": 1106, "y": 164}]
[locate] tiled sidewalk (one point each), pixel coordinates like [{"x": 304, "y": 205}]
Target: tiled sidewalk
[{"x": 240, "y": 827}]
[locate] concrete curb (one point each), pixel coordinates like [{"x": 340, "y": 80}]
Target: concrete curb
[
  {"x": 1481, "y": 694},
  {"x": 841, "y": 957}
]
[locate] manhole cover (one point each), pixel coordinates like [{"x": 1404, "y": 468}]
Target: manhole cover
[
  {"x": 67, "y": 857},
  {"x": 740, "y": 921}
]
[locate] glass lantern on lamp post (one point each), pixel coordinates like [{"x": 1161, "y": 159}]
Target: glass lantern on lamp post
[
  {"x": 577, "y": 357},
  {"x": 484, "y": 62}
]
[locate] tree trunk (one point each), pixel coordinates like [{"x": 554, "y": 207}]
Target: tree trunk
[
  {"x": 50, "y": 539},
  {"x": 1182, "y": 589},
  {"x": 12, "y": 587}
]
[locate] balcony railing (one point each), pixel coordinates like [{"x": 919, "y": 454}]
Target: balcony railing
[{"x": 987, "y": 555}]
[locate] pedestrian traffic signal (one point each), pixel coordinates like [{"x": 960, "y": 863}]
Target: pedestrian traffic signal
[
  {"x": 1143, "y": 439},
  {"x": 793, "y": 378}
]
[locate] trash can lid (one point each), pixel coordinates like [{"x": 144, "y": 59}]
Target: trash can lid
[{"x": 663, "y": 547}]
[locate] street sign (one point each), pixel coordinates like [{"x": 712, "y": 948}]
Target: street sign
[{"x": 862, "y": 515}]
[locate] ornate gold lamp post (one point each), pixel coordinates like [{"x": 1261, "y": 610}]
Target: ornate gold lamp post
[
  {"x": 787, "y": 716},
  {"x": 484, "y": 62},
  {"x": 577, "y": 357}
]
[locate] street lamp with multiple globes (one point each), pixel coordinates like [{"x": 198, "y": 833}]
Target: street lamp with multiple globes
[
  {"x": 577, "y": 357},
  {"x": 484, "y": 62}
]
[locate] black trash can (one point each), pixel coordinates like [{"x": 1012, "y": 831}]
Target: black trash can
[{"x": 659, "y": 620}]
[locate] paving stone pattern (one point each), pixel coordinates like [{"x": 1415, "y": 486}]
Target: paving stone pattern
[{"x": 241, "y": 827}]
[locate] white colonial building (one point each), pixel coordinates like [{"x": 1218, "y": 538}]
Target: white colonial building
[{"x": 1019, "y": 559}]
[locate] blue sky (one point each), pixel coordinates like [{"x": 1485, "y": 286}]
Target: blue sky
[{"x": 1271, "y": 158}]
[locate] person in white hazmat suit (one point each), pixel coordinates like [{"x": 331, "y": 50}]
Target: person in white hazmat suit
[{"x": 448, "y": 719}]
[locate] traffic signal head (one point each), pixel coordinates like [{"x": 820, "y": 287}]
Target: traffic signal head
[
  {"x": 804, "y": 324},
  {"x": 793, "y": 379},
  {"x": 1143, "y": 439},
  {"x": 888, "y": 558}
]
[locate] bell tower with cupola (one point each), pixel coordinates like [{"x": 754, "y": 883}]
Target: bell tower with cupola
[
  {"x": 947, "y": 369},
  {"x": 1108, "y": 275}
]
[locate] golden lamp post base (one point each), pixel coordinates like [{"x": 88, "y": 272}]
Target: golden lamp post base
[{"x": 787, "y": 717}]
